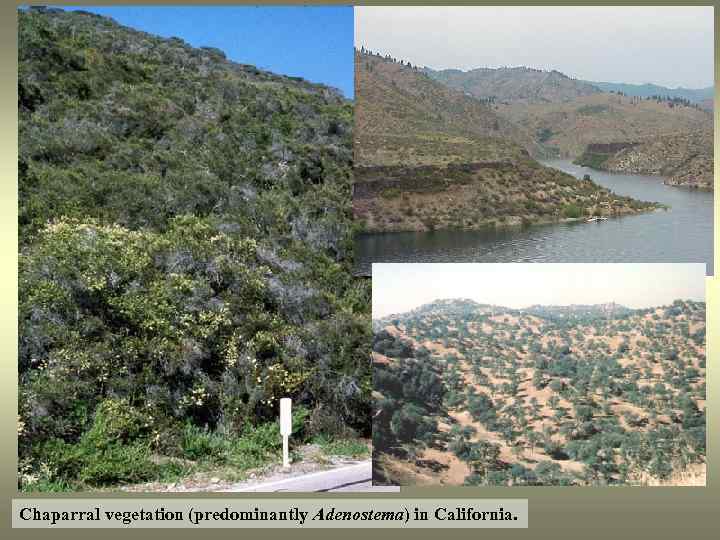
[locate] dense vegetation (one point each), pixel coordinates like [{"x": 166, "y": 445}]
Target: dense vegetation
[
  {"x": 185, "y": 255},
  {"x": 574, "y": 395}
]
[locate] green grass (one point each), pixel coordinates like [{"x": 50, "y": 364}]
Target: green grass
[
  {"x": 390, "y": 193},
  {"x": 572, "y": 211},
  {"x": 592, "y": 160},
  {"x": 342, "y": 447},
  {"x": 253, "y": 448},
  {"x": 102, "y": 459},
  {"x": 589, "y": 110}
]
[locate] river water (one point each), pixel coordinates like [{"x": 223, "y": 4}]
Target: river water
[{"x": 683, "y": 234}]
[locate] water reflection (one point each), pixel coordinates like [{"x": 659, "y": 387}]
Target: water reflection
[{"x": 682, "y": 234}]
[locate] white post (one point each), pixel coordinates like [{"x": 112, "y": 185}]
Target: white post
[
  {"x": 286, "y": 428},
  {"x": 286, "y": 452}
]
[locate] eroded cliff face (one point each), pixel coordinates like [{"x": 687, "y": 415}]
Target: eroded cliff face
[{"x": 684, "y": 159}]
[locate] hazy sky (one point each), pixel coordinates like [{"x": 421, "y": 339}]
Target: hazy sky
[
  {"x": 397, "y": 288},
  {"x": 670, "y": 46}
]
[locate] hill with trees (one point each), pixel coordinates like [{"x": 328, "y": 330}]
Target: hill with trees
[
  {"x": 670, "y": 129},
  {"x": 514, "y": 84},
  {"x": 695, "y": 95},
  {"x": 185, "y": 258},
  {"x": 430, "y": 157},
  {"x": 469, "y": 394}
]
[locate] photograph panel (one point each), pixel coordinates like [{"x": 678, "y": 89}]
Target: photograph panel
[
  {"x": 539, "y": 375},
  {"x": 467, "y": 150},
  {"x": 185, "y": 250}
]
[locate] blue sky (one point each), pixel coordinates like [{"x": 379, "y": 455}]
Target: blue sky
[{"x": 315, "y": 43}]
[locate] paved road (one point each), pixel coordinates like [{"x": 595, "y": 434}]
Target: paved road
[{"x": 356, "y": 477}]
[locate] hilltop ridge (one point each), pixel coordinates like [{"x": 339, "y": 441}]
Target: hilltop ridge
[
  {"x": 647, "y": 90},
  {"x": 459, "y": 307},
  {"x": 514, "y": 84}
]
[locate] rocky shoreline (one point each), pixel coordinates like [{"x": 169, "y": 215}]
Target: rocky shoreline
[
  {"x": 510, "y": 223},
  {"x": 685, "y": 159}
]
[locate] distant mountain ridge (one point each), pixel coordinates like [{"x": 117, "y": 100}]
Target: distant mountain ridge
[
  {"x": 459, "y": 307},
  {"x": 696, "y": 95},
  {"x": 515, "y": 84},
  {"x": 532, "y": 85},
  {"x": 575, "y": 311}
]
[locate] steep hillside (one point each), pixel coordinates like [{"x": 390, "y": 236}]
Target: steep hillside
[
  {"x": 549, "y": 395},
  {"x": 185, "y": 256},
  {"x": 515, "y": 84},
  {"x": 572, "y": 118},
  {"x": 685, "y": 159},
  {"x": 567, "y": 128},
  {"x": 403, "y": 116},
  {"x": 429, "y": 157}
]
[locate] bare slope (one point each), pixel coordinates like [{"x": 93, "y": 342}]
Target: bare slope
[{"x": 568, "y": 128}]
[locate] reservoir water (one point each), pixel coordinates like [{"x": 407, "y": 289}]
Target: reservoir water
[{"x": 683, "y": 234}]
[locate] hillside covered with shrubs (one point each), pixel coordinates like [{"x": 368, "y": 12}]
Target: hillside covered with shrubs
[
  {"x": 185, "y": 242},
  {"x": 472, "y": 394}
]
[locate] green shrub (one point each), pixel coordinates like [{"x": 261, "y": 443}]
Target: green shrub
[
  {"x": 251, "y": 448},
  {"x": 116, "y": 423},
  {"x": 390, "y": 193},
  {"x": 116, "y": 463},
  {"x": 589, "y": 110},
  {"x": 352, "y": 448},
  {"x": 113, "y": 450},
  {"x": 572, "y": 211}
]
